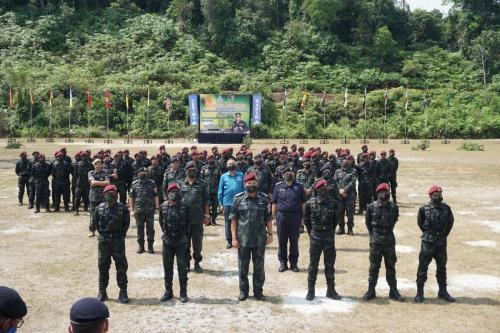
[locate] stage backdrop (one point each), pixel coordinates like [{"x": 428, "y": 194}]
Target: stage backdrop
[{"x": 225, "y": 113}]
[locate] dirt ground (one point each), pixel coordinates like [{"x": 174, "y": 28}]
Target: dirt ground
[{"x": 51, "y": 262}]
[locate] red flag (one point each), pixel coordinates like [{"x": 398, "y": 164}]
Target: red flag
[
  {"x": 32, "y": 99},
  {"x": 108, "y": 100},
  {"x": 11, "y": 99},
  {"x": 89, "y": 100}
]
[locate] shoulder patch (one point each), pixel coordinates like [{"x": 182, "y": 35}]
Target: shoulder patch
[{"x": 239, "y": 194}]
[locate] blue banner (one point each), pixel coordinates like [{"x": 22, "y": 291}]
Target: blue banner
[
  {"x": 193, "y": 110},
  {"x": 256, "y": 109}
]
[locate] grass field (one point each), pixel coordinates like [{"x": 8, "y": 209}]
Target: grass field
[{"x": 51, "y": 262}]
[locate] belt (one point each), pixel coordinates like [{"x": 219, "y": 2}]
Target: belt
[
  {"x": 322, "y": 228},
  {"x": 282, "y": 212}
]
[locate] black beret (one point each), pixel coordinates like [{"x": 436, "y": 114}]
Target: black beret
[
  {"x": 12, "y": 305},
  {"x": 88, "y": 310},
  {"x": 190, "y": 165}
]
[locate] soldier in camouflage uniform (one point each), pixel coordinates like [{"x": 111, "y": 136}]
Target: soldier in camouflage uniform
[
  {"x": 144, "y": 202},
  {"x": 345, "y": 177},
  {"x": 306, "y": 177},
  {"x": 174, "y": 174},
  {"x": 380, "y": 219},
  {"x": 365, "y": 178},
  {"x": 82, "y": 186},
  {"x": 382, "y": 169},
  {"x": 120, "y": 167},
  {"x": 263, "y": 173},
  {"x": 111, "y": 219},
  {"x": 61, "y": 171},
  {"x": 210, "y": 174},
  {"x": 435, "y": 219},
  {"x": 98, "y": 180},
  {"x": 320, "y": 219},
  {"x": 251, "y": 228},
  {"x": 394, "y": 165},
  {"x": 195, "y": 197},
  {"x": 173, "y": 223},
  {"x": 155, "y": 173},
  {"x": 23, "y": 167},
  {"x": 41, "y": 172}
]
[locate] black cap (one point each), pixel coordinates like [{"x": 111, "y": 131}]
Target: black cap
[
  {"x": 88, "y": 310},
  {"x": 190, "y": 165},
  {"x": 12, "y": 305},
  {"x": 287, "y": 169}
]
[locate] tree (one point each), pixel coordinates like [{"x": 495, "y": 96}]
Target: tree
[
  {"x": 425, "y": 26},
  {"x": 486, "y": 52},
  {"x": 384, "y": 45}
]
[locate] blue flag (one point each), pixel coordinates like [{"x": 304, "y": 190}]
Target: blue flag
[
  {"x": 256, "y": 109},
  {"x": 193, "y": 110}
]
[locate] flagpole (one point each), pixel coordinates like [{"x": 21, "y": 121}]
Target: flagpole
[
  {"x": 107, "y": 99},
  {"x": 345, "y": 141},
  {"x": 168, "y": 106},
  {"x": 147, "y": 139},
  {"x": 323, "y": 102},
  {"x": 304, "y": 140},
  {"x": 128, "y": 141},
  {"x": 426, "y": 103},
  {"x": 89, "y": 105},
  {"x": 69, "y": 116},
  {"x": 386, "y": 97},
  {"x": 284, "y": 140},
  {"x": 445, "y": 139},
  {"x": 365, "y": 134},
  {"x": 12, "y": 116},
  {"x": 406, "y": 141}
]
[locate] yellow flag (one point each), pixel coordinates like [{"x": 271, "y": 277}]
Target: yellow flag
[
  {"x": 304, "y": 99},
  {"x": 70, "y": 98},
  {"x": 148, "y": 98},
  {"x": 126, "y": 100}
]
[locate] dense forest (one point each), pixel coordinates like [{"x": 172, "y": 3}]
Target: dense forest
[{"x": 441, "y": 71}]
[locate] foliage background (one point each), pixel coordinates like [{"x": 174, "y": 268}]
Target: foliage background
[{"x": 180, "y": 47}]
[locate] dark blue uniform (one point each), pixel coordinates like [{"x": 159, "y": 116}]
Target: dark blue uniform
[{"x": 288, "y": 201}]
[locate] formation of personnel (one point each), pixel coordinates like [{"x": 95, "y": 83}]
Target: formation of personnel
[{"x": 291, "y": 189}]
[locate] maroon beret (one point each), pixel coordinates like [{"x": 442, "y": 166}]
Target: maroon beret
[
  {"x": 382, "y": 187},
  {"x": 320, "y": 183},
  {"x": 250, "y": 176},
  {"x": 173, "y": 186},
  {"x": 435, "y": 188},
  {"x": 110, "y": 188}
]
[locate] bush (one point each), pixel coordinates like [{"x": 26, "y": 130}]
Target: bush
[
  {"x": 422, "y": 146},
  {"x": 471, "y": 146}
]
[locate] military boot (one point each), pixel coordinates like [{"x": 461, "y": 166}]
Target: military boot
[
  {"x": 331, "y": 292},
  {"x": 30, "y": 205},
  {"x": 243, "y": 295},
  {"x": 197, "y": 268},
  {"x": 66, "y": 208},
  {"x": 370, "y": 294},
  {"x": 102, "y": 296},
  {"x": 259, "y": 296},
  {"x": 419, "y": 298},
  {"x": 294, "y": 268},
  {"x": 151, "y": 248},
  {"x": 310, "y": 291},
  {"x": 37, "y": 209},
  {"x": 443, "y": 294},
  {"x": 394, "y": 293},
  {"x": 350, "y": 230},
  {"x": 20, "y": 202},
  {"x": 183, "y": 294},
  {"x": 168, "y": 295},
  {"x": 140, "y": 250},
  {"x": 341, "y": 230},
  {"x": 122, "y": 296},
  {"x": 283, "y": 267}
]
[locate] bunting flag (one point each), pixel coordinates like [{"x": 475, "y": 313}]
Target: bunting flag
[
  {"x": 32, "y": 99},
  {"x": 304, "y": 99},
  {"x": 126, "y": 100},
  {"x": 323, "y": 99},
  {"x": 89, "y": 100},
  {"x": 148, "y": 98},
  {"x": 108, "y": 100},
  {"x": 386, "y": 97},
  {"x": 11, "y": 99},
  {"x": 51, "y": 98},
  {"x": 346, "y": 96},
  {"x": 407, "y": 99},
  {"x": 70, "y": 98}
]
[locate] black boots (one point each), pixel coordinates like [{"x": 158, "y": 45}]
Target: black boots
[
  {"x": 140, "y": 250},
  {"x": 443, "y": 294},
  {"x": 419, "y": 298},
  {"x": 259, "y": 296},
  {"x": 310, "y": 291},
  {"x": 151, "y": 249},
  {"x": 294, "y": 268},
  {"x": 370, "y": 294},
  {"x": 331, "y": 292},
  {"x": 394, "y": 293},
  {"x": 283, "y": 267},
  {"x": 102, "y": 296},
  {"x": 183, "y": 294},
  {"x": 123, "y": 297},
  {"x": 350, "y": 231},
  {"x": 20, "y": 202},
  {"x": 168, "y": 295},
  {"x": 341, "y": 230},
  {"x": 243, "y": 296},
  {"x": 197, "y": 268}
]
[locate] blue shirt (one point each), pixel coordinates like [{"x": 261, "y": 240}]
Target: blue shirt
[
  {"x": 289, "y": 199},
  {"x": 229, "y": 186}
]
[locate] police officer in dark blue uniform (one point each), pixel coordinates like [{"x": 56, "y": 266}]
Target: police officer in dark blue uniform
[{"x": 288, "y": 203}]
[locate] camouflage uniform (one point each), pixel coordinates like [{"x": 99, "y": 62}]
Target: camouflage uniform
[
  {"x": 143, "y": 192},
  {"x": 211, "y": 176}
]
